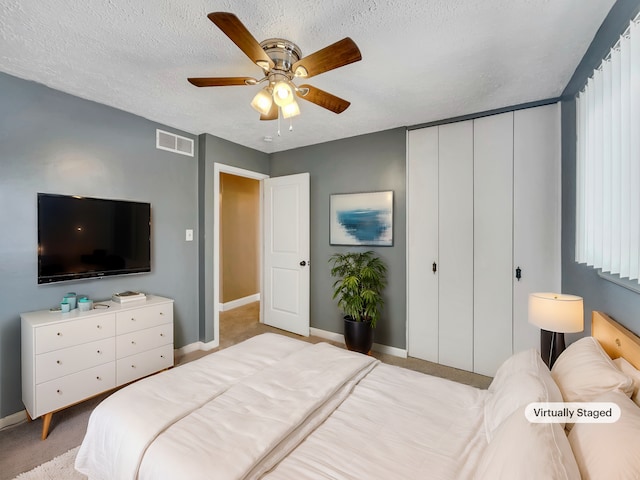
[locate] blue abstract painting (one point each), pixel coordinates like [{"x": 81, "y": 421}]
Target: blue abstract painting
[{"x": 362, "y": 219}]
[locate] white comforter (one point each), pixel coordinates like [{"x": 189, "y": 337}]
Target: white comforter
[
  {"x": 397, "y": 424},
  {"x": 232, "y": 416},
  {"x": 278, "y": 408}
]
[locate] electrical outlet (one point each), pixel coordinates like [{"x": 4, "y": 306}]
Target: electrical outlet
[{"x": 189, "y": 235}]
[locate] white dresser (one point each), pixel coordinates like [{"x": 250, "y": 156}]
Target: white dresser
[{"x": 69, "y": 357}]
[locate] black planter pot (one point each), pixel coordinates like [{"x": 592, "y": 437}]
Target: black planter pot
[{"x": 358, "y": 335}]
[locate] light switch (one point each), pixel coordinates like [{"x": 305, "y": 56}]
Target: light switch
[{"x": 189, "y": 235}]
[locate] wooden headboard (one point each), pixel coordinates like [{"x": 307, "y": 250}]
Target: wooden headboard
[{"x": 616, "y": 340}]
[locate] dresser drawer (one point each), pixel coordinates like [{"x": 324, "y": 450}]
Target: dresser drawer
[
  {"x": 145, "y": 317},
  {"x": 142, "y": 340},
  {"x": 74, "y": 332},
  {"x": 143, "y": 364},
  {"x": 73, "y": 388},
  {"x": 70, "y": 360}
]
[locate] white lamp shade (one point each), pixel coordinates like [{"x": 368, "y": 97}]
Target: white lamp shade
[
  {"x": 282, "y": 94},
  {"x": 291, "y": 110},
  {"x": 556, "y": 312},
  {"x": 262, "y": 102}
]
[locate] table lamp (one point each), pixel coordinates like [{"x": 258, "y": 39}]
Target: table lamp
[{"x": 555, "y": 314}]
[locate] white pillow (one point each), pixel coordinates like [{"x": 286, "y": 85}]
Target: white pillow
[
  {"x": 518, "y": 391},
  {"x": 525, "y": 361},
  {"x": 609, "y": 450},
  {"x": 628, "y": 369},
  {"x": 584, "y": 371},
  {"x": 522, "y": 378},
  {"x": 528, "y": 451}
]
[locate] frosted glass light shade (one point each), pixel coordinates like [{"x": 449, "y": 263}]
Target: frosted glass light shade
[
  {"x": 282, "y": 94},
  {"x": 291, "y": 110},
  {"x": 262, "y": 102},
  {"x": 556, "y": 312}
]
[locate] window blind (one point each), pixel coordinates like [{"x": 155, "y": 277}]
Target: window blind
[{"x": 608, "y": 162}]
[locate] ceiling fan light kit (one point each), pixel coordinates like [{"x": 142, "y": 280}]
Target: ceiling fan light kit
[
  {"x": 281, "y": 62},
  {"x": 291, "y": 110},
  {"x": 262, "y": 102},
  {"x": 282, "y": 94}
]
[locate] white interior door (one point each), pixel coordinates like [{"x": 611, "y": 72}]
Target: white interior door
[
  {"x": 455, "y": 245},
  {"x": 422, "y": 245},
  {"x": 286, "y": 253},
  {"x": 492, "y": 241},
  {"x": 536, "y": 215}
]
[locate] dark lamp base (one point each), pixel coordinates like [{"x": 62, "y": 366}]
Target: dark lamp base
[{"x": 551, "y": 346}]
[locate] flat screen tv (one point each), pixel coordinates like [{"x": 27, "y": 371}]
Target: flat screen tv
[{"x": 82, "y": 237}]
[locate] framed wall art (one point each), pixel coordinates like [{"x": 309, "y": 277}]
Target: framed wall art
[{"x": 361, "y": 219}]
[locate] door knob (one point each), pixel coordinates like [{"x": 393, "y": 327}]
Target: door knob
[{"x": 303, "y": 263}]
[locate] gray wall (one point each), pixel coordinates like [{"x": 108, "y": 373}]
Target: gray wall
[
  {"x": 53, "y": 142},
  {"x": 365, "y": 163},
  {"x": 216, "y": 150},
  {"x": 599, "y": 294}
]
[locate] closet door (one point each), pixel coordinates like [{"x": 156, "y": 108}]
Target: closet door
[
  {"x": 492, "y": 242},
  {"x": 422, "y": 250},
  {"x": 537, "y": 213},
  {"x": 455, "y": 245}
]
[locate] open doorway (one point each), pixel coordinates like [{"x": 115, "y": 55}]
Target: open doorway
[
  {"x": 237, "y": 245},
  {"x": 239, "y": 241},
  {"x": 239, "y": 286}
]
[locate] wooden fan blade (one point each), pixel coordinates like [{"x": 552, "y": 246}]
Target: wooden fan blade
[
  {"x": 220, "y": 81},
  {"x": 336, "y": 55},
  {"x": 233, "y": 28},
  {"x": 324, "y": 99},
  {"x": 273, "y": 113}
]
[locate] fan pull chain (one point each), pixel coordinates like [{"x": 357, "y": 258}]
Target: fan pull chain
[
  {"x": 291, "y": 124},
  {"x": 278, "y": 123}
]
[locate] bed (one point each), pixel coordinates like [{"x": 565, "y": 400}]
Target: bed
[{"x": 275, "y": 407}]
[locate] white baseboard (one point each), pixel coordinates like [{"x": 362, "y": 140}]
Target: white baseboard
[
  {"x": 13, "y": 419},
  {"x": 240, "y": 302},
  {"x": 395, "y": 351},
  {"x": 316, "y": 332},
  {"x": 334, "y": 337},
  {"x": 196, "y": 346},
  {"x": 338, "y": 337}
]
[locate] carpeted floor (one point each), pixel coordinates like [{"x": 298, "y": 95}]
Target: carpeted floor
[
  {"x": 60, "y": 468},
  {"x": 21, "y": 449}
]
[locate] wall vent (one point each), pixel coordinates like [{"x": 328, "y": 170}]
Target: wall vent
[{"x": 174, "y": 143}]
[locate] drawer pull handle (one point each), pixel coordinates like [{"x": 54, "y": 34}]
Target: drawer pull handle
[
  {"x": 133, "y": 366},
  {"x": 98, "y": 378},
  {"x": 161, "y": 313},
  {"x": 162, "y": 334},
  {"x": 161, "y": 356},
  {"x": 99, "y": 326},
  {"x": 58, "y": 362},
  {"x": 133, "y": 319},
  {"x": 99, "y": 352},
  {"x": 132, "y": 342},
  {"x": 58, "y": 391},
  {"x": 59, "y": 334}
]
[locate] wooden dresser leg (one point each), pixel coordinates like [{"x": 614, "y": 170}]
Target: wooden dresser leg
[
  {"x": 29, "y": 419},
  {"x": 46, "y": 422}
]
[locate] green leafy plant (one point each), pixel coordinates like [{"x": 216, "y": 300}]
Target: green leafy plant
[{"x": 361, "y": 280}]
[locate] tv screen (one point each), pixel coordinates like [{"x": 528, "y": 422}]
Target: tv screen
[{"x": 81, "y": 237}]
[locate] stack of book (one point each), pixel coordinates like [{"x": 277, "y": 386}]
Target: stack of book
[{"x": 125, "y": 297}]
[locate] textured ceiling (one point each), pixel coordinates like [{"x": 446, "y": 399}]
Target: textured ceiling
[{"x": 422, "y": 60}]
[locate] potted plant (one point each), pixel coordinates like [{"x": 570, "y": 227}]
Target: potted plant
[{"x": 361, "y": 278}]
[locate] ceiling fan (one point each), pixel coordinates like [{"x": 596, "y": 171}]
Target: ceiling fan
[{"x": 281, "y": 61}]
